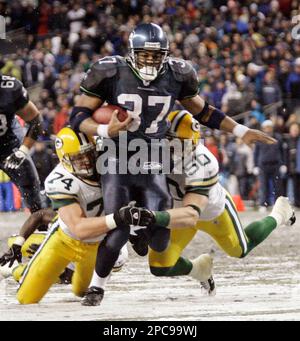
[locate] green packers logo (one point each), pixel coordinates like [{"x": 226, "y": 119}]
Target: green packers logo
[
  {"x": 58, "y": 143},
  {"x": 196, "y": 125}
]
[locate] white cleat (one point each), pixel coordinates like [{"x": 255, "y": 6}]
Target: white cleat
[
  {"x": 202, "y": 271},
  {"x": 283, "y": 212},
  {"x": 7, "y": 271}
]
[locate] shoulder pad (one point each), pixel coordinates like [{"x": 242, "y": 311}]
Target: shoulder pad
[
  {"x": 204, "y": 171},
  {"x": 61, "y": 185},
  {"x": 17, "y": 96},
  {"x": 182, "y": 69},
  {"x": 107, "y": 67},
  {"x": 11, "y": 84}
]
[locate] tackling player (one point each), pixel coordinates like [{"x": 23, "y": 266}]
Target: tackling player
[
  {"x": 14, "y": 158},
  {"x": 146, "y": 83},
  {"x": 75, "y": 235},
  {"x": 209, "y": 208}
]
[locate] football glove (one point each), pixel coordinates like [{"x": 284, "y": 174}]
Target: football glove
[
  {"x": 14, "y": 160},
  {"x": 13, "y": 254},
  {"x": 131, "y": 215}
]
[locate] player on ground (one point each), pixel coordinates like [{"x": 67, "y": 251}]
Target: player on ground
[
  {"x": 27, "y": 242},
  {"x": 146, "y": 83},
  {"x": 14, "y": 158},
  {"x": 206, "y": 207},
  {"x": 74, "y": 191}
]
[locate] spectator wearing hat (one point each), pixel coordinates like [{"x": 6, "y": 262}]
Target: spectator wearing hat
[{"x": 269, "y": 166}]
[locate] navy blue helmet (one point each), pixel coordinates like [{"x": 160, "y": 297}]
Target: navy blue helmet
[{"x": 148, "y": 50}]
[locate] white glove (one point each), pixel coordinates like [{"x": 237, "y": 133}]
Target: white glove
[
  {"x": 256, "y": 171},
  {"x": 283, "y": 169}
]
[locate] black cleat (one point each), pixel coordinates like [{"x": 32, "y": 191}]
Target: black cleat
[
  {"x": 93, "y": 297},
  {"x": 292, "y": 220},
  {"x": 66, "y": 276},
  {"x": 208, "y": 287}
]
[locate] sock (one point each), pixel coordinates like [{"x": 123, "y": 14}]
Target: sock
[
  {"x": 259, "y": 231},
  {"x": 98, "y": 281},
  {"x": 182, "y": 267},
  {"x": 277, "y": 217}
]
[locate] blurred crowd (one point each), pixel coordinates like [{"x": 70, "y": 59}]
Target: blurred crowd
[{"x": 245, "y": 53}]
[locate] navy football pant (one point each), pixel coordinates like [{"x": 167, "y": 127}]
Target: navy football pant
[{"x": 148, "y": 190}]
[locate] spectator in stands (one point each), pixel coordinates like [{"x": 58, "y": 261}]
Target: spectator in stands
[
  {"x": 212, "y": 146},
  {"x": 270, "y": 166},
  {"x": 242, "y": 166},
  {"x": 6, "y": 193},
  {"x": 270, "y": 88},
  {"x": 293, "y": 85},
  {"x": 294, "y": 160}
]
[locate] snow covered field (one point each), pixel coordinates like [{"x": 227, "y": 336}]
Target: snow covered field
[{"x": 263, "y": 286}]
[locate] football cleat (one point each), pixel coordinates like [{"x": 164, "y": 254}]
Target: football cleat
[
  {"x": 93, "y": 297},
  {"x": 66, "y": 276},
  {"x": 283, "y": 212},
  {"x": 208, "y": 287},
  {"x": 122, "y": 259},
  {"x": 202, "y": 271}
]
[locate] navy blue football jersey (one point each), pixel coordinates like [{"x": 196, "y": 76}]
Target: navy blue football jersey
[
  {"x": 114, "y": 80},
  {"x": 13, "y": 97}
]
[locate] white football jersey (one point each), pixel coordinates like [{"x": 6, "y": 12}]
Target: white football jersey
[
  {"x": 201, "y": 175},
  {"x": 64, "y": 188}
]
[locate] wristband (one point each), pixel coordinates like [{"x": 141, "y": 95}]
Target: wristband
[
  {"x": 162, "y": 218},
  {"x": 240, "y": 130},
  {"x": 110, "y": 222},
  {"x": 24, "y": 149},
  {"x": 19, "y": 240},
  {"x": 102, "y": 130}
]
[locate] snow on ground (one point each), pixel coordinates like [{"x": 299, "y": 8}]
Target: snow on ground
[{"x": 263, "y": 286}]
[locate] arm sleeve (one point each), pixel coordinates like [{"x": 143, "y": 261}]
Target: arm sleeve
[{"x": 20, "y": 94}]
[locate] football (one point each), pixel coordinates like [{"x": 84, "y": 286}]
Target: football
[{"x": 104, "y": 113}]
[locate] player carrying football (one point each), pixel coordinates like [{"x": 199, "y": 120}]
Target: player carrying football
[{"x": 146, "y": 83}]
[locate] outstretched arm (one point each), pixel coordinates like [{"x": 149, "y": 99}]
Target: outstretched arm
[
  {"x": 216, "y": 119},
  {"x": 182, "y": 217}
]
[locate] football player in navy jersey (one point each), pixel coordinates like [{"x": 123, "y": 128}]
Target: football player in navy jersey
[
  {"x": 146, "y": 83},
  {"x": 14, "y": 149}
]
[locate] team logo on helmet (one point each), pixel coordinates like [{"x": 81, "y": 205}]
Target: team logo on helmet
[{"x": 58, "y": 143}]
